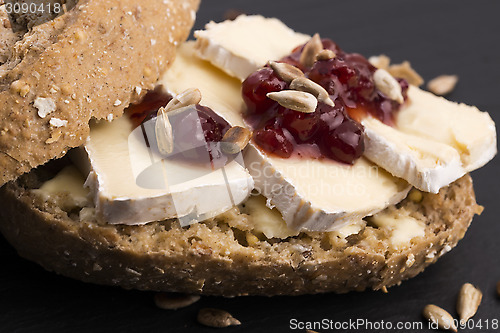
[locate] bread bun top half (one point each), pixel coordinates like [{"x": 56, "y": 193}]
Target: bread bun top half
[{"x": 90, "y": 62}]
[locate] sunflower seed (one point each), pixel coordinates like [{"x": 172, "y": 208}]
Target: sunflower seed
[
  {"x": 235, "y": 140},
  {"x": 415, "y": 195},
  {"x": 295, "y": 100},
  {"x": 170, "y": 301},
  {"x": 311, "y": 49},
  {"x": 188, "y": 97},
  {"x": 251, "y": 239},
  {"x": 307, "y": 85},
  {"x": 164, "y": 133},
  {"x": 388, "y": 85},
  {"x": 216, "y": 318},
  {"x": 440, "y": 317},
  {"x": 443, "y": 84},
  {"x": 325, "y": 55},
  {"x": 405, "y": 71},
  {"x": 286, "y": 71},
  {"x": 380, "y": 61},
  {"x": 468, "y": 302}
]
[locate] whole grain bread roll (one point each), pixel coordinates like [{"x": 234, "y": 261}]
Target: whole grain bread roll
[
  {"x": 217, "y": 257},
  {"x": 90, "y": 62}
]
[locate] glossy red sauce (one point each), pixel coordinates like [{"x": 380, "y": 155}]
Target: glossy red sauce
[
  {"x": 148, "y": 107},
  {"x": 329, "y": 132}
]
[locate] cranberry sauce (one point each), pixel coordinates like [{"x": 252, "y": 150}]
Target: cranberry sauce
[
  {"x": 188, "y": 146},
  {"x": 329, "y": 132},
  {"x": 214, "y": 127},
  {"x": 148, "y": 107}
]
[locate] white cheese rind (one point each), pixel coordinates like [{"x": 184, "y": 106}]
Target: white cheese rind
[
  {"x": 323, "y": 195},
  {"x": 304, "y": 206},
  {"x": 119, "y": 200},
  {"x": 428, "y": 165},
  {"x": 465, "y": 128},
  {"x": 434, "y": 141},
  {"x": 242, "y": 46}
]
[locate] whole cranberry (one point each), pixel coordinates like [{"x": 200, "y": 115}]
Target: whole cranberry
[
  {"x": 294, "y": 59},
  {"x": 272, "y": 139},
  {"x": 301, "y": 125},
  {"x": 212, "y": 130},
  {"x": 330, "y": 117},
  {"x": 326, "y": 74},
  {"x": 344, "y": 143},
  {"x": 331, "y": 45},
  {"x": 256, "y": 87},
  {"x": 404, "y": 87}
]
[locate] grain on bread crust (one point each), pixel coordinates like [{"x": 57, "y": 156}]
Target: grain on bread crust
[
  {"x": 213, "y": 257},
  {"x": 89, "y": 63}
]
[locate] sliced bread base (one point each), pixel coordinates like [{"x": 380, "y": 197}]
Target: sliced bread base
[{"x": 215, "y": 258}]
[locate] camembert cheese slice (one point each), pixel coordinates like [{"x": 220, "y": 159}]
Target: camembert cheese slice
[{"x": 189, "y": 192}]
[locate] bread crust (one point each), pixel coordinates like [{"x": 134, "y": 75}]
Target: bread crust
[
  {"x": 89, "y": 63},
  {"x": 212, "y": 258}
]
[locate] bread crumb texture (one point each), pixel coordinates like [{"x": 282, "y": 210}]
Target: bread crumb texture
[
  {"x": 76, "y": 67},
  {"x": 224, "y": 256}
]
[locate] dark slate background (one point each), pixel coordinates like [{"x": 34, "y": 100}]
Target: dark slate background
[{"x": 438, "y": 37}]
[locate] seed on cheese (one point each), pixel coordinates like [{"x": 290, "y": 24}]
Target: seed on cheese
[
  {"x": 188, "y": 97},
  {"x": 380, "y": 61},
  {"x": 163, "y": 130},
  {"x": 307, "y": 85},
  {"x": 405, "y": 71},
  {"x": 325, "y": 55},
  {"x": 388, "y": 85},
  {"x": 235, "y": 139},
  {"x": 295, "y": 100},
  {"x": 311, "y": 49},
  {"x": 286, "y": 71}
]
